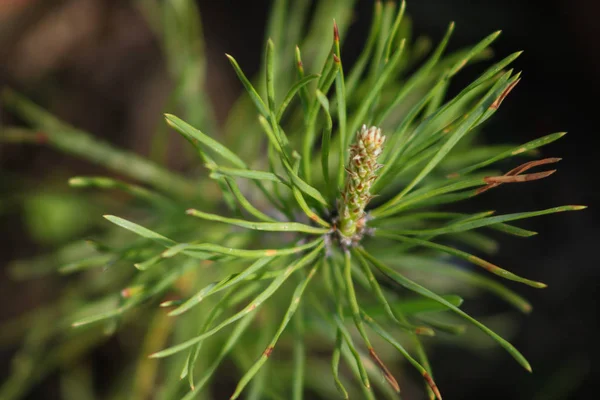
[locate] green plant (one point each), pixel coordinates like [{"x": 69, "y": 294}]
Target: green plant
[{"x": 303, "y": 219}]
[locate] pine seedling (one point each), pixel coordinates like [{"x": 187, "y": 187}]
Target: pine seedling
[{"x": 300, "y": 214}]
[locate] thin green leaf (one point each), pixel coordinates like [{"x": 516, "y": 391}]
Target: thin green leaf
[
  {"x": 246, "y": 205},
  {"x": 461, "y": 130},
  {"x": 260, "y": 226},
  {"x": 352, "y": 301},
  {"x": 382, "y": 79},
  {"x": 399, "y": 314},
  {"x": 416, "y": 305},
  {"x": 261, "y": 298},
  {"x": 340, "y": 94},
  {"x": 506, "y": 228},
  {"x": 355, "y": 309},
  {"x": 472, "y": 88},
  {"x": 303, "y": 90},
  {"x": 231, "y": 299},
  {"x": 492, "y": 222},
  {"x": 438, "y": 97},
  {"x": 243, "y": 253},
  {"x": 304, "y": 206},
  {"x": 418, "y": 76},
  {"x": 464, "y": 255},
  {"x": 364, "y": 57},
  {"x": 309, "y": 213},
  {"x": 140, "y": 230},
  {"x": 493, "y": 70},
  {"x": 326, "y": 137},
  {"x": 475, "y": 50},
  {"x": 534, "y": 144},
  {"x": 335, "y": 364},
  {"x": 308, "y": 139},
  {"x": 393, "y": 207},
  {"x": 350, "y": 343},
  {"x": 407, "y": 283},
  {"x": 376, "y": 288},
  {"x": 400, "y": 137},
  {"x": 144, "y": 294},
  {"x": 513, "y": 230},
  {"x": 144, "y": 265},
  {"x": 225, "y": 283},
  {"x": 189, "y": 131},
  {"x": 296, "y": 296},
  {"x": 472, "y": 278},
  {"x": 299, "y": 352},
  {"x": 272, "y": 137},
  {"x": 109, "y": 183},
  {"x": 377, "y": 62},
  {"x": 225, "y": 349},
  {"x": 270, "y": 71},
  {"x": 246, "y": 173},
  {"x": 394, "y": 31},
  {"x": 297, "y": 87},
  {"x": 303, "y": 186},
  {"x": 254, "y": 96},
  {"x": 336, "y": 289},
  {"x": 390, "y": 339},
  {"x": 446, "y": 327}
]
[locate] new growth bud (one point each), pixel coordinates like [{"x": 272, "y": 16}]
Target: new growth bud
[{"x": 361, "y": 169}]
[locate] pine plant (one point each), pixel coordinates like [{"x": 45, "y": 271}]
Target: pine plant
[{"x": 320, "y": 226}]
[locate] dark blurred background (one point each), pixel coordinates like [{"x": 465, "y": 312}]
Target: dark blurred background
[{"x": 97, "y": 65}]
